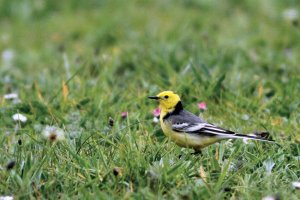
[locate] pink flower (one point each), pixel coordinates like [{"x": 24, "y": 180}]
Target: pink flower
[
  {"x": 202, "y": 106},
  {"x": 156, "y": 112},
  {"x": 124, "y": 114}
]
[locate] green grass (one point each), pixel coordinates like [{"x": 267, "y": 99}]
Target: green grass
[{"x": 240, "y": 57}]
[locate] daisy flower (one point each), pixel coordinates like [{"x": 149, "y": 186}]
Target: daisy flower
[
  {"x": 8, "y": 55},
  {"x": 53, "y": 133},
  {"x": 296, "y": 185},
  {"x": 19, "y": 117},
  {"x": 6, "y": 198},
  {"x": 11, "y": 96}
]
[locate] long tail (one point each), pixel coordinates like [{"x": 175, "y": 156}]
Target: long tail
[
  {"x": 210, "y": 129},
  {"x": 253, "y": 137}
]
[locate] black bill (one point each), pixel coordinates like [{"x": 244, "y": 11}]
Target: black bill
[{"x": 153, "y": 97}]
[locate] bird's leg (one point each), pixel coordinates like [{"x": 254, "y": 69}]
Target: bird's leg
[{"x": 197, "y": 152}]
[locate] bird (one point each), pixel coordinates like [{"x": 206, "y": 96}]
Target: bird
[{"x": 188, "y": 130}]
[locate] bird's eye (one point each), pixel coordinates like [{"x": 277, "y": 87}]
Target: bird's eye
[{"x": 166, "y": 96}]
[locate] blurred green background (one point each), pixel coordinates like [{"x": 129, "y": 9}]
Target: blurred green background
[{"x": 240, "y": 57}]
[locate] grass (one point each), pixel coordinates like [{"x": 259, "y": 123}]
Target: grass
[{"x": 75, "y": 65}]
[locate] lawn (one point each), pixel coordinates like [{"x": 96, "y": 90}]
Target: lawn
[{"x": 78, "y": 73}]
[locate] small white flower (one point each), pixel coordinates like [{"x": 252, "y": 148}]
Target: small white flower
[
  {"x": 290, "y": 14},
  {"x": 8, "y": 55},
  {"x": 6, "y": 198},
  {"x": 11, "y": 96},
  {"x": 14, "y": 97},
  {"x": 53, "y": 133},
  {"x": 269, "y": 198},
  {"x": 155, "y": 119},
  {"x": 19, "y": 117},
  {"x": 296, "y": 185}
]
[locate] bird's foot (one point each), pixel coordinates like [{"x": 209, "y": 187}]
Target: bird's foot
[{"x": 197, "y": 153}]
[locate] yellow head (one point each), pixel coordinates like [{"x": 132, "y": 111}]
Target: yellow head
[{"x": 167, "y": 100}]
